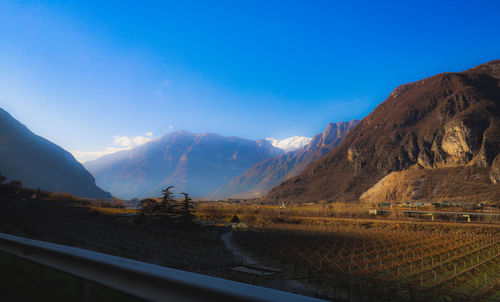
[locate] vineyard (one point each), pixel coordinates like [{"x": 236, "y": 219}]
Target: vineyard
[
  {"x": 336, "y": 259},
  {"x": 376, "y": 261}
]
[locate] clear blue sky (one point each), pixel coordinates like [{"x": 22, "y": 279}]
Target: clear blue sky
[{"x": 81, "y": 72}]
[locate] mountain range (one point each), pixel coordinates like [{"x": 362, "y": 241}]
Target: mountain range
[
  {"x": 194, "y": 163},
  {"x": 437, "y": 138},
  {"x": 259, "y": 179},
  {"x": 434, "y": 139},
  {"x": 39, "y": 163}
]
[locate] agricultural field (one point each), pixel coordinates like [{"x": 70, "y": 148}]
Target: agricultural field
[
  {"x": 335, "y": 252},
  {"x": 368, "y": 261},
  {"x": 257, "y": 213}
]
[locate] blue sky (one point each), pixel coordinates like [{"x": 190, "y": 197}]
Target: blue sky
[{"x": 92, "y": 76}]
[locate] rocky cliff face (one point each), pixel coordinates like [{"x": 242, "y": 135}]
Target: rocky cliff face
[
  {"x": 259, "y": 179},
  {"x": 332, "y": 136},
  {"x": 495, "y": 170},
  {"x": 39, "y": 163},
  {"x": 194, "y": 163},
  {"x": 468, "y": 184},
  {"x": 448, "y": 120}
]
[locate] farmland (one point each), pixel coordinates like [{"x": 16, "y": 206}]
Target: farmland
[
  {"x": 343, "y": 252},
  {"x": 337, "y": 252},
  {"x": 392, "y": 261}
]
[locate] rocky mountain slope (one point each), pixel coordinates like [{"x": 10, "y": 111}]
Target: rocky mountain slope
[
  {"x": 259, "y": 179},
  {"x": 39, "y": 163},
  {"x": 469, "y": 184},
  {"x": 194, "y": 163},
  {"x": 442, "y": 124}
]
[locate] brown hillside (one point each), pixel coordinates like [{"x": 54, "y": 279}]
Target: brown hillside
[{"x": 448, "y": 120}]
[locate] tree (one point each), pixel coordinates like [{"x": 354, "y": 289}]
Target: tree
[
  {"x": 2, "y": 178},
  {"x": 148, "y": 206},
  {"x": 166, "y": 207},
  {"x": 186, "y": 213},
  {"x": 168, "y": 196}
]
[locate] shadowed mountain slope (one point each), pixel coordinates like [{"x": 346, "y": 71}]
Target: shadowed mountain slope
[
  {"x": 38, "y": 163},
  {"x": 259, "y": 179},
  {"x": 448, "y": 120},
  {"x": 194, "y": 163}
]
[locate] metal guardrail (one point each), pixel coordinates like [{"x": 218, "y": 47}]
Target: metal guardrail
[{"x": 144, "y": 280}]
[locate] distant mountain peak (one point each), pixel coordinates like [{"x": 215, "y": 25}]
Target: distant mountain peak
[
  {"x": 260, "y": 178},
  {"x": 290, "y": 144},
  {"x": 197, "y": 163}
]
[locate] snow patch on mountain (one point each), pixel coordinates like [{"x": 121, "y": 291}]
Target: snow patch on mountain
[{"x": 291, "y": 143}]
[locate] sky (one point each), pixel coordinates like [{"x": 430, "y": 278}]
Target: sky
[{"x": 96, "y": 76}]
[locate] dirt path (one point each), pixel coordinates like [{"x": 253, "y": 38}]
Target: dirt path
[
  {"x": 293, "y": 286},
  {"x": 245, "y": 259}
]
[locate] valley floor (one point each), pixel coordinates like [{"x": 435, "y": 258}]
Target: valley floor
[
  {"x": 353, "y": 259},
  {"x": 197, "y": 249}
]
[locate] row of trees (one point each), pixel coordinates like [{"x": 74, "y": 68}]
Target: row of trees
[
  {"x": 12, "y": 189},
  {"x": 13, "y": 183},
  {"x": 169, "y": 210}
]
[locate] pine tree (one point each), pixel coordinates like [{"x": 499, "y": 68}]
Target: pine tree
[
  {"x": 167, "y": 207},
  {"x": 186, "y": 212}
]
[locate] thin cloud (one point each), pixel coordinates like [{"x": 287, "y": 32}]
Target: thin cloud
[
  {"x": 140, "y": 140},
  {"x": 162, "y": 86},
  {"x": 122, "y": 143},
  {"x": 165, "y": 83},
  {"x": 85, "y": 156}
]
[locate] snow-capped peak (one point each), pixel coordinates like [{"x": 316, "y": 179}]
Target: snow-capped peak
[{"x": 291, "y": 143}]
